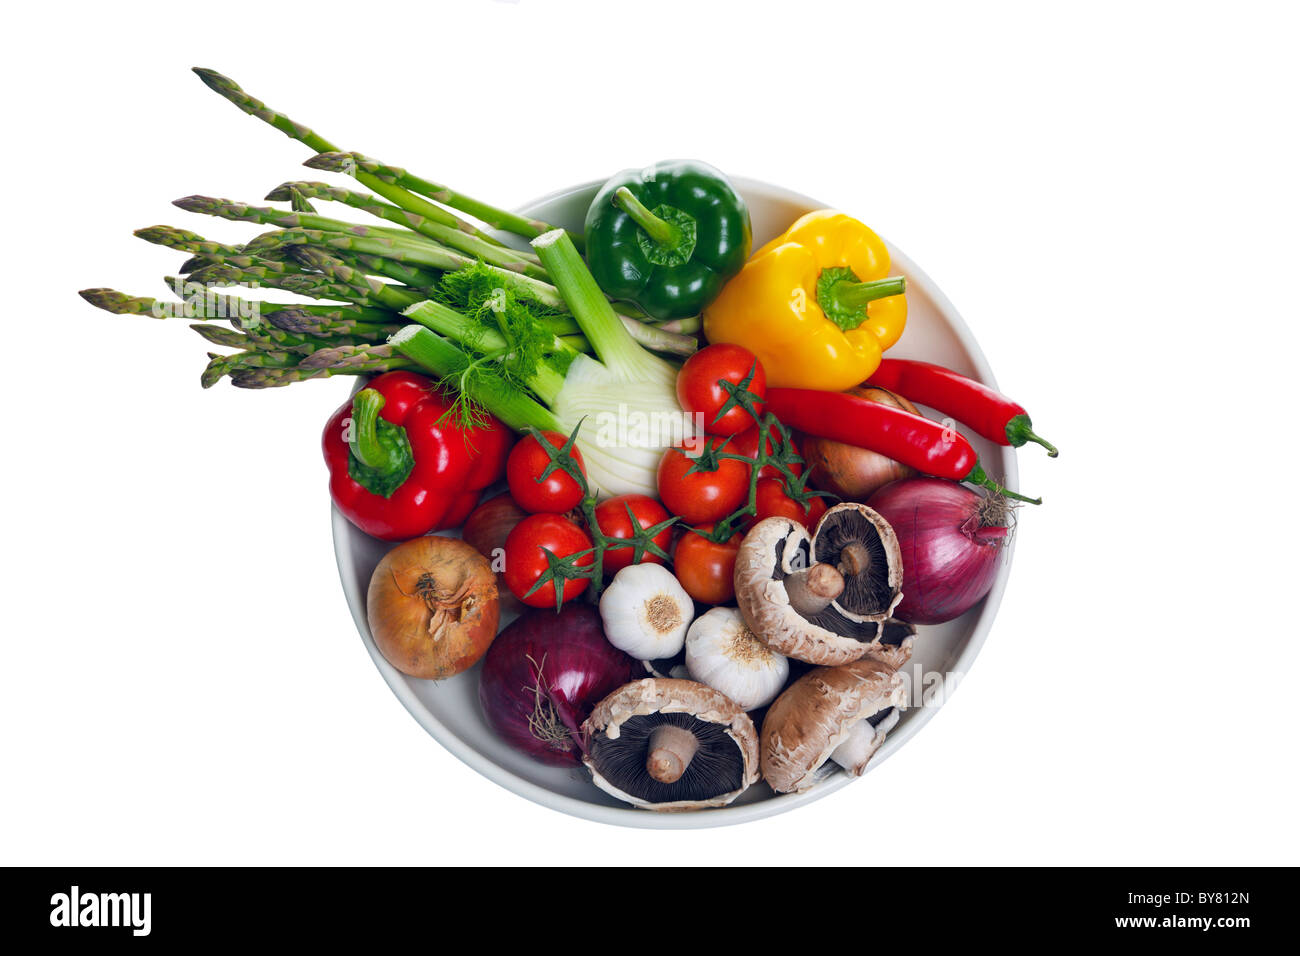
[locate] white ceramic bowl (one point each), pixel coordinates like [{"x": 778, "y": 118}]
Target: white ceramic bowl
[{"x": 449, "y": 709}]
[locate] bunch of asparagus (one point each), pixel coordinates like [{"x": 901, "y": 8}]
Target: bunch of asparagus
[{"x": 364, "y": 277}]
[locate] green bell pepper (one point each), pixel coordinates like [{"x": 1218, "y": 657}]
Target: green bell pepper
[{"x": 667, "y": 237}]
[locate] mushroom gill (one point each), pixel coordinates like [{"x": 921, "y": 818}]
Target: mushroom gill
[{"x": 715, "y": 766}]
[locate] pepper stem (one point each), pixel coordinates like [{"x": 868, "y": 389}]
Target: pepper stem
[
  {"x": 978, "y": 476},
  {"x": 849, "y": 295},
  {"x": 1019, "y": 432},
  {"x": 365, "y": 443},
  {"x": 664, "y": 233}
]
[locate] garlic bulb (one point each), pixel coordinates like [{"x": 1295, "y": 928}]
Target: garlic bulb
[
  {"x": 723, "y": 652},
  {"x": 646, "y": 612}
]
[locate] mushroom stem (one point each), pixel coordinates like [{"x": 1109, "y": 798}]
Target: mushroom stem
[
  {"x": 810, "y": 591},
  {"x": 670, "y": 752},
  {"x": 864, "y": 739},
  {"x": 854, "y": 559}
]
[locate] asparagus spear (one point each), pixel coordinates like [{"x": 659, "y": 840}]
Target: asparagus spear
[
  {"x": 419, "y": 252},
  {"x": 413, "y": 276},
  {"x": 241, "y": 362},
  {"x": 119, "y": 303},
  {"x": 347, "y": 357},
  {"x": 267, "y": 215},
  {"x": 524, "y": 262},
  {"x": 359, "y": 166},
  {"x": 269, "y": 338},
  {"x": 254, "y": 107},
  {"x": 206, "y": 252},
  {"x": 368, "y": 293},
  {"x": 276, "y": 377},
  {"x": 341, "y": 320}
]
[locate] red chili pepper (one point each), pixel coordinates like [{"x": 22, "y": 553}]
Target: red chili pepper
[
  {"x": 397, "y": 469},
  {"x": 972, "y": 403},
  {"x": 925, "y": 445}
]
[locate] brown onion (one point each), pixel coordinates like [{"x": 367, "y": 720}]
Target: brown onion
[
  {"x": 432, "y": 606},
  {"x": 855, "y": 473}
]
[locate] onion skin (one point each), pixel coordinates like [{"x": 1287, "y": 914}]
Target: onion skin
[
  {"x": 542, "y": 677},
  {"x": 487, "y": 528},
  {"x": 432, "y": 606},
  {"x": 848, "y": 471},
  {"x": 951, "y": 554}
]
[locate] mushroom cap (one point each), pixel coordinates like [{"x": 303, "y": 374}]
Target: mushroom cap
[
  {"x": 778, "y": 547},
  {"x": 895, "y": 645},
  {"x": 815, "y": 715},
  {"x": 668, "y": 696}
]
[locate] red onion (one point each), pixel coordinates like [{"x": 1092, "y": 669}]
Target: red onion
[
  {"x": 542, "y": 676},
  {"x": 952, "y": 541}
]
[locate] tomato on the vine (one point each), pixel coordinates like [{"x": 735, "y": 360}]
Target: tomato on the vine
[
  {"x": 612, "y": 519},
  {"x": 701, "y": 496},
  {"x": 771, "y": 501},
  {"x": 558, "y": 492},
  {"x": 526, "y": 560},
  {"x": 746, "y": 443},
  {"x": 707, "y": 569},
  {"x": 699, "y": 387}
]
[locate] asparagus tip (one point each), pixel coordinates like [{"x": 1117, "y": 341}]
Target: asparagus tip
[
  {"x": 333, "y": 162},
  {"x": 214, "y": 80}
]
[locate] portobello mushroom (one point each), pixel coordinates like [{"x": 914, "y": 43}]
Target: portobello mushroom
[
  {"x": 665, "y": 744},
  {"x": 840, "y": 714},
  {"x": 822, "y": 599}
]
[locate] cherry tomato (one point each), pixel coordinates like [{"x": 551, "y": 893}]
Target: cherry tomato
[
  {"x": 611, "y": 517},
  {"x": 771, "y": 501},
  {"x": 707, "y": 569},
  {"x": 746, "y": 443},
  {"x": 526, "y": 561},
  {"x": 701, "y": 496},
  {"x": 558, "y": 492},
  {"x": 698, "y": 388}
]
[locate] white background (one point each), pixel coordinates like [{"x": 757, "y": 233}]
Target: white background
[{"x": 1107, "y": 192}]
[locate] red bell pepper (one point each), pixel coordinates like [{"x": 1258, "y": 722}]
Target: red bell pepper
[{"x": 398, "y": 469}]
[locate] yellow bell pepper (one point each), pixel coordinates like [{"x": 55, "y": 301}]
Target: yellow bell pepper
[{"x": 814, "y": 304}]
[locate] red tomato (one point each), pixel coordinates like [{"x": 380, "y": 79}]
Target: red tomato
[
  {"x": 526, "y": 561},
  {"x": 558, "y": 492},
  {"x": 611, "y": 517},
  {"x": 772, "y": 502},
  {"x": 707, "y": 569},
  {"x": 698, "y": 388},
  {"x": 701, "y": 496},
  {"x": 746, "y": 443}
]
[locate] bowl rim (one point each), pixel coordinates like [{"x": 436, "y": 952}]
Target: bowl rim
[{"x": 720, "y": 816}]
